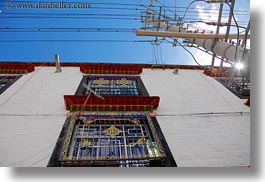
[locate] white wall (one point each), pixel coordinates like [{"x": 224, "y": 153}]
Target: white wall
[
  {"x": 32, "y": 113},
  {"x": 195, "y": 137}
]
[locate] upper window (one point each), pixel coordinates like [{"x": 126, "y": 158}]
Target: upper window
[
  {"x": 113, "y": 85},
  {"x": 6, "y": 81}
]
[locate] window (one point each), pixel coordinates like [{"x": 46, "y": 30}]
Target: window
[
  {"x": 239, "y": 86},
  {"x": 115, "y": 131},
  {"x": 6, "y": 81},
  {"x": 117, "y": 140},
  {"x": 113, "y": 85}
]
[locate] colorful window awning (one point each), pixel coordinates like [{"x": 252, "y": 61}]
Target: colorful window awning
[{"x": 111, "y": 103}]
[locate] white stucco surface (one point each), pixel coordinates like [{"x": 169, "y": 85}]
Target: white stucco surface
[
  {"x": 32, "y": 114},
  {"x": 200, "y": 118}
]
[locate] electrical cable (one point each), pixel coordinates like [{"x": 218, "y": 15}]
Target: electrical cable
[
  {"x": 155, "y": 56},
  {"x": 148, "y": 8},
  {"x": 165, "y": 7},
  {"x": 135, "y": 9},
  {"x": 156, "y": 52},
  {"x": 161, "y": 54},
  {"x": 71, "y": 17},
  {"x": 190, "y": 54},
  {"x": 209, "y": 23},
  {"x": 188, "y": 8},
  {"x": 94, "y": 7},
  {"x": 185, "y": 50},
  {"x": 86, "y": 15},
  {"x": 67, "y": 29},
  {"x": 72, "y": 14},
  {"x": 96, "y": 41},
  {"x": 193, "y": 20},
  {"x": 96, "y": 18},
  {"x": 152, "y": 54},
  {"x": 155, "y": 49},
  {"x": 109, "y": 4}
]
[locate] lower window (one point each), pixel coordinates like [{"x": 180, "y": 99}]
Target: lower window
[{"x": 124, "y": 141}]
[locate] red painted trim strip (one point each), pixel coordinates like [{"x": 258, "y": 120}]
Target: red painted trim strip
[
  {"x": 13, "y": 68},
  {"x": 113, "y": 101}
]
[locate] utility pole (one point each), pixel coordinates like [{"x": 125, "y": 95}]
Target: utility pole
[
  {"x": 228, "y": 29},
  {"x": 210, "y": 42},
  {"x": 215, "y": 44},
  {"x": 218, "y": 28},
  {"x": 220, "y": 48}
]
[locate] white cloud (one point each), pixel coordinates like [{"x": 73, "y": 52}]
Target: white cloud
[
  {"x": 202, "y": 57},
  {"x": 209, "y": 16},
  {"x": 205, "y": 59}
]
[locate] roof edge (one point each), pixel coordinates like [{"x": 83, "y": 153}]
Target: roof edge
[{"x": 74, "y": 64}]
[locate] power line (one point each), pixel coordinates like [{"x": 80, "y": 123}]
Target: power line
[
  {"x": 101, "y": 18},
  {"x": 88, "y": 40},
  {"x": 193, "y": 20},
  {"x": 104, "y": 16},
  {"x": 108, "y": 4},
  {"x": 59, "y": 15},
  {"x": 190, "y": 54},
  {"x": 176, "y": 41},
  {"x": 189, "y": 7},
  {"x": 96, "y": 15},
  {"x": 71, "y": 17},
  {"x": 70, "y": 2},
  {"x": 107, "y": 14},
  {"x": 94, "y": 7},
  {"x": 72, "y": 14},
  {"x": 52, "y": 29}
]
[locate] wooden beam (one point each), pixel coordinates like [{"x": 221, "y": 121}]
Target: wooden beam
[{"x": 188, "y": 35}]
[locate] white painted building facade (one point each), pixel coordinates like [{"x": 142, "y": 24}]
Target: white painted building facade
[{"x": 204, "y": 124}]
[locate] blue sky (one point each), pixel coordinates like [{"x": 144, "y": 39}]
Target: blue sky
[{"x": 69, "y": 51}]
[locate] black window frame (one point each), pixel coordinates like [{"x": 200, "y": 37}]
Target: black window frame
[
  {"x": 4, "y": 88},
  {"x": 55, "y": 161}
]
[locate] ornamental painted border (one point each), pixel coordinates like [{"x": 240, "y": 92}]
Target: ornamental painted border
[{"x": 111, "y": 69}]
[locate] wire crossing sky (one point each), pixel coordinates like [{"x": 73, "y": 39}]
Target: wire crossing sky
[{"x": 101, "y": 31}]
